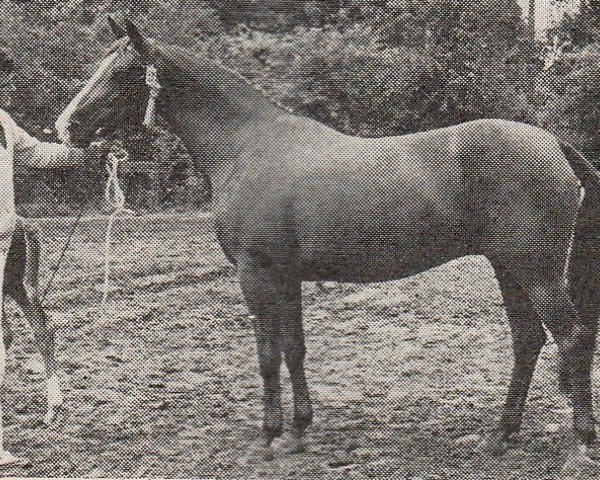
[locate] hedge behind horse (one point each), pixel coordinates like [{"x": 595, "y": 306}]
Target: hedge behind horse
[{"x": 295, "y": 200}]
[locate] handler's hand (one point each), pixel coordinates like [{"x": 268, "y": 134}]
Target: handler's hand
[{"x": 97, "y": 151}]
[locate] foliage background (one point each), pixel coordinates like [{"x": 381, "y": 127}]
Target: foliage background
[{"x": 367, "y": 67}]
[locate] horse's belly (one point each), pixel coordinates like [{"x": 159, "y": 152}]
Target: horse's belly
[
  {"x": 371, "y": 256},
  {"x": 380, "y": 269}
]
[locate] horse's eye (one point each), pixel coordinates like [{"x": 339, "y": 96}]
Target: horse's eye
[{"x": 121, "y": 77}]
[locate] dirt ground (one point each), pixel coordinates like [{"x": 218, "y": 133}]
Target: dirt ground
[{"x": 405, "y": 376}]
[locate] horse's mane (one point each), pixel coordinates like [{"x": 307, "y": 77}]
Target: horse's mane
[{"x": 189, "y": 63}]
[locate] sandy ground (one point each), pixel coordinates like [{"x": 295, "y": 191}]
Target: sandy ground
[{"x": 405, "y": 376}]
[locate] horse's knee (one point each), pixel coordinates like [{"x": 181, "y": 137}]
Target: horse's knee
[
  {"x": 273, "y": 425},
  {"x": 294, "y": 354},
  {"x": 269, "y": 362}
]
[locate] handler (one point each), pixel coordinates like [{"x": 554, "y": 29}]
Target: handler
[{"x": 17, "y": 146}]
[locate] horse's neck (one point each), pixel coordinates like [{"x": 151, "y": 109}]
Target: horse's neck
[{"x": 218, "y": 125}]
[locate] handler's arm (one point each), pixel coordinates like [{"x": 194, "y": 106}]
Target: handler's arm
[{"x": 32, "y": 152}]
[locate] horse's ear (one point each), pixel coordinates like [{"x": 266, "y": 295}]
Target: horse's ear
[
  {"x": 137, "y": 39},
  {"x": 116, "y": 28}
]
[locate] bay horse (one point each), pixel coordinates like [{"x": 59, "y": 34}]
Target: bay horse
[
  {"x": 295, "y": 200},
  {"x": 21, "y": 283}
]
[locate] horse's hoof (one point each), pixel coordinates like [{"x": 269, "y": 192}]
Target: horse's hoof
[
  {"x": 494, "y": 444},
  {"x": 267, "y": 454},
  {"x": 54, "y": 394},
  {"x": 54, "y": 414},
  {"x": 591, "y": 452},
  {"x": 295, "y": 444},
  {"x": 580, "y": 461},
  {"x": 54, "y": 398},
  {"x": 50, "y": 415}
]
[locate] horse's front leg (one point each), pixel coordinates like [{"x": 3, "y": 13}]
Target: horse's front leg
[
  {"x": 21, "y": 283},
  {"x": 292, "y": 337},
  {"x": 260, "y": 285}
]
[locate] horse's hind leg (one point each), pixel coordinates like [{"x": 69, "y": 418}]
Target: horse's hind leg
[
  {"x": 576, "y": 340},
  {"x": 528, "y": 338},
  {"x": 584, "y": 274}
]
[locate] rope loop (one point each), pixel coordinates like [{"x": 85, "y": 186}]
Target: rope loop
[
  {"x": 115, "y": 197},
  {"x": 113, "y": 193}
]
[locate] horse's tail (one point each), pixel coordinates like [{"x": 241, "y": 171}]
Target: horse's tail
[
  {"x": 585, "y": 171},
  {"x": 584, "y": 265}
]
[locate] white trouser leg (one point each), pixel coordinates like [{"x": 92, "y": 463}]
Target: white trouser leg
[{"x": 54, "y": 397}]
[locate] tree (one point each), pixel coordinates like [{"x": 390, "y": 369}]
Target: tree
[{"x": 572, "y": 94}]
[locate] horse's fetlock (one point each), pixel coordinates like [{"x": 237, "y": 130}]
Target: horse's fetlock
[
  {"x": 270, "y": 364},
  {"x": 510, "y": 427},
  {"x": 303, "y": 416},
  {"x": 270, "y": 371},
  {"x": 294, "y": 357},
  {"x": 585, "y": 430},
  {"x": 273, "y": 429}
]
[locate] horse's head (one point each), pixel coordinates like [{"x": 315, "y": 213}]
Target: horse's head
[{"x": 115, "y": 95}]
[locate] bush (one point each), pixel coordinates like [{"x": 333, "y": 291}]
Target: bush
[{"x": 365, "y": 67}]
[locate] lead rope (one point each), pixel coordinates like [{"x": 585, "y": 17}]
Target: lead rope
[{"x": 113, "y": 193}]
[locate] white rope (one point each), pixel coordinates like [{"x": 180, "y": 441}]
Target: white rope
[{"x": 113, "y": 193}]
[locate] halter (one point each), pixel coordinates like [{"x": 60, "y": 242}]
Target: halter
[{"x": 154, "y": 86}]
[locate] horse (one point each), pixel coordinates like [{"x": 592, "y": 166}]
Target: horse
[
  {"x": 21, "y": 284},
  {"x": 295, "y": 200}
]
